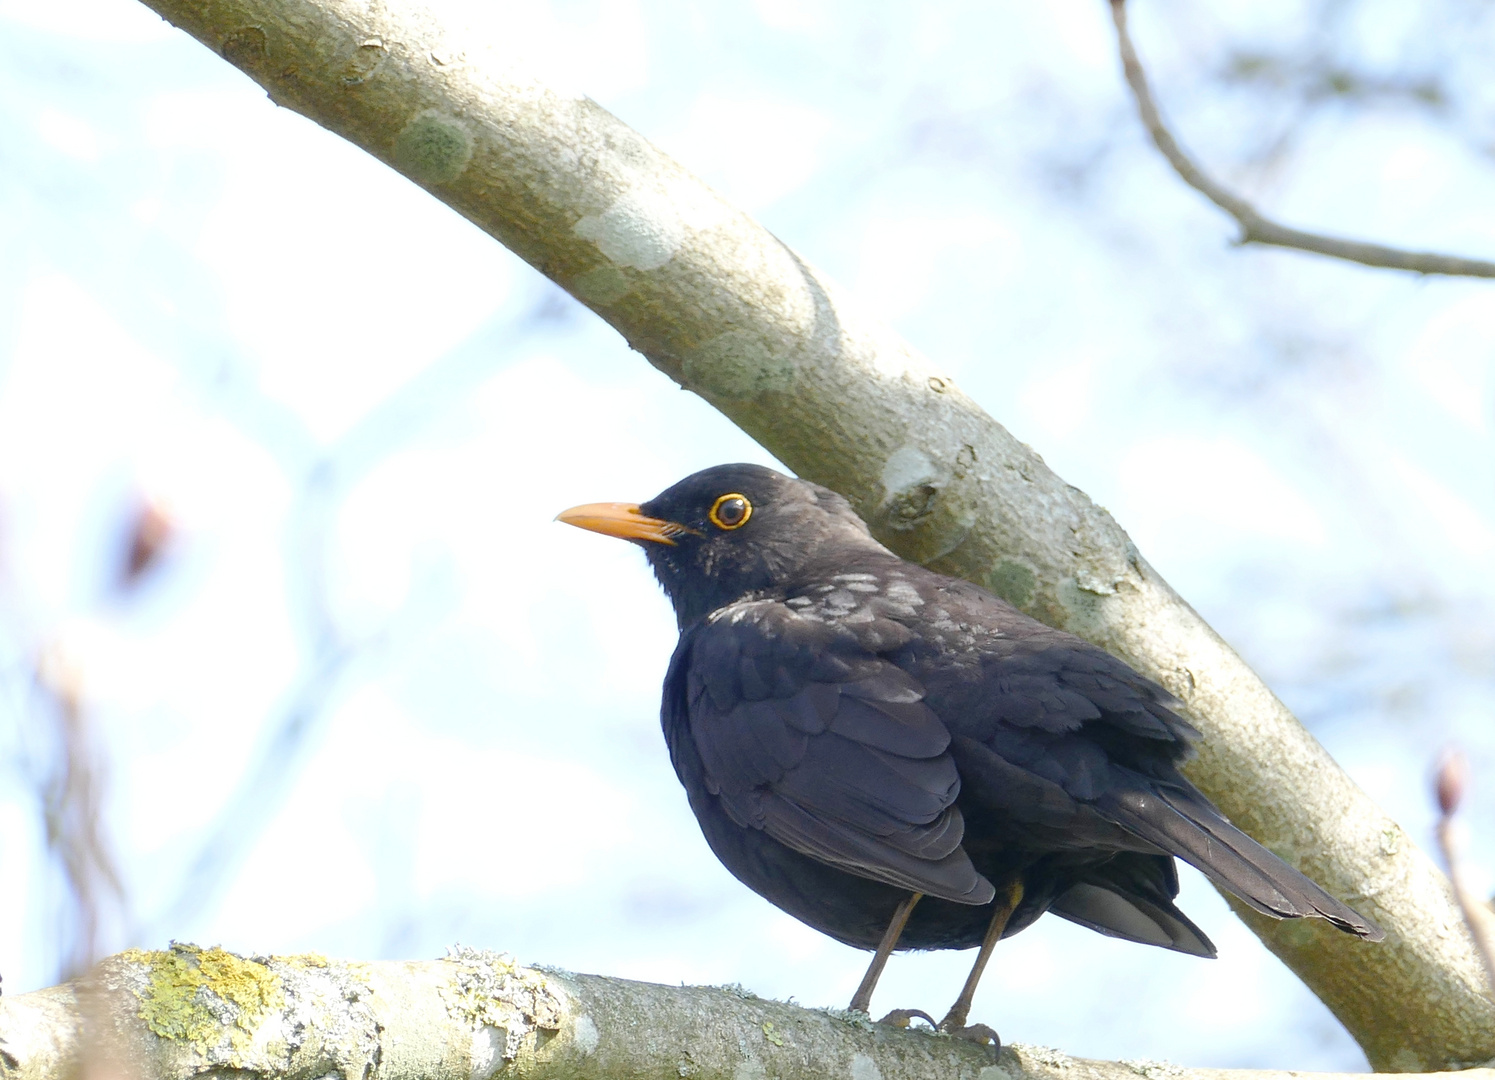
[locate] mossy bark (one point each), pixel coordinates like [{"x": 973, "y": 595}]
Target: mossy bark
[{"x": 479, "y": 1016}]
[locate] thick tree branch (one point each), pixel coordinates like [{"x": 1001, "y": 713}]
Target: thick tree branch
[
  {"x": 726, "y": 310},
  {"x": 1256, "y": 229},
  {"x": 476, "y": 1015}
]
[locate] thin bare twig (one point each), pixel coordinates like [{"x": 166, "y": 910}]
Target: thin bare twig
[
  {"x": 1256, "y": 229},
  {"x": 71, "y": 798},
  {"x": 1449, "y": 784}
]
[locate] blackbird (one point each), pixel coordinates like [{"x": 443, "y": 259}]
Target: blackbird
[{"x": 901, "y": 759}]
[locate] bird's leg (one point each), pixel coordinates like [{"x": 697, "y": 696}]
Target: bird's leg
[
  {"x": 863, "y": 997},
  {"x": 1007, "y": 902}
]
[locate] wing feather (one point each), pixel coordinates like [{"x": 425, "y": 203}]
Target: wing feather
[{"x": 828, "y": 748}]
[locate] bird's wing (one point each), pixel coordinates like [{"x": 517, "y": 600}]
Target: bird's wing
[
  {"x": 1067, "y": 739},
  {"x": 1061, "y": 723},
  {"x": 1045, "y": 680},
  {"x": 826, "y": 747},
  {"x": 1054, "y": 708}
]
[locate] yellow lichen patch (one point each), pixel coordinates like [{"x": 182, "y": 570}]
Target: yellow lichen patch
[
  {"x": 303, "y": 960},
  {"x": 197, "y": 995},
  {"x": 490, "y": 990}
]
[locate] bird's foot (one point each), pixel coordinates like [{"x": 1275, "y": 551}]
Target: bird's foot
[
  {"x": 979, "y": 1034},
  {"x": 905, "y": 1017}
]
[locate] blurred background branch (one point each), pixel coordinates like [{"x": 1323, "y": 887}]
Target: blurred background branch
[
  {"x": 1479, "y": 915},
  {"x": 1255, "y": 228},
  {"x": 70, "y": 770},
  {"x": 329, "y": 652},
  {"x": 70, "y": 785}
]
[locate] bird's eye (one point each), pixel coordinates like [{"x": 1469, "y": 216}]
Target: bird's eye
[{"x": 731, "y": 511}]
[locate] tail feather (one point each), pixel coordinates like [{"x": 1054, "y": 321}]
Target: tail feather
[
  {"x": 1184, "y": 824},
  {"x": 1131, "y": 897}
]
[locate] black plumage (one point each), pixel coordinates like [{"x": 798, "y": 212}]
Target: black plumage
[{"x": 852, "y": 729}]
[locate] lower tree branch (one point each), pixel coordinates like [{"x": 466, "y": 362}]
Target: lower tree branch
[
  {"x": 1256, "y": 229},
  {"x": 190, "y": 1012},
  {"x": 726, "y": 310}
]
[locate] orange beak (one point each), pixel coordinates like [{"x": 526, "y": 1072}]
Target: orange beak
[{"x": 623, "y": 520}]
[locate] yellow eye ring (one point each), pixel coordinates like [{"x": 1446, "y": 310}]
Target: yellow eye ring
[{"x": 731, "y": 511}]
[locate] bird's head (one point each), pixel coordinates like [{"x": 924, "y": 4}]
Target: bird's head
[{"x": 731, "y": 531}]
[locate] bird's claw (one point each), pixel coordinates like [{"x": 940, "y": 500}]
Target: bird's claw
[
  {"x": 979, "y": 1034},
  {"x": 904, "y": 1017}
]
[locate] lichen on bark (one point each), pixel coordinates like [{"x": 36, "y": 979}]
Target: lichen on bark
[{"x": 202, "y": 996}]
